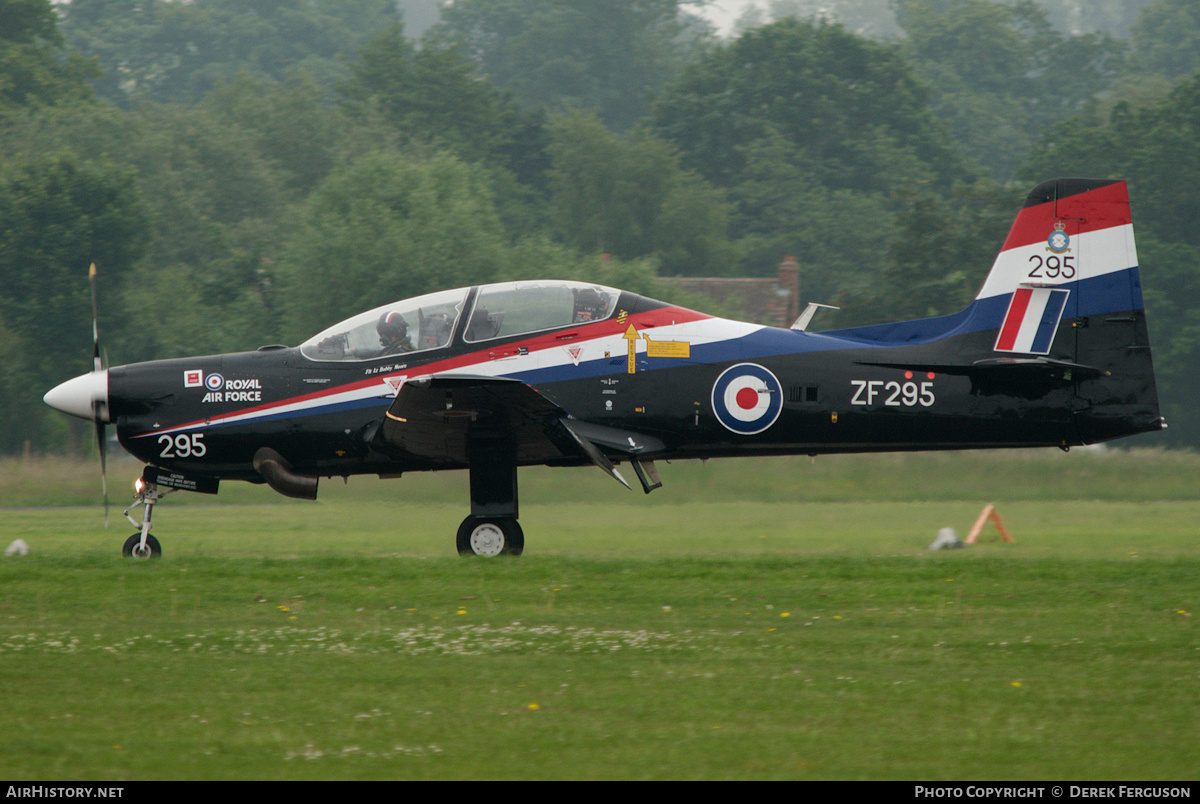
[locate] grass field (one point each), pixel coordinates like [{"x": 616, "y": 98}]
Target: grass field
[{"x": 751, "y": 620}]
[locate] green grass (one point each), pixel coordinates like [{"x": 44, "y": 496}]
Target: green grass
[
  {"x": 1050, "y": 475},
  {"x": 744, "y": 622}
]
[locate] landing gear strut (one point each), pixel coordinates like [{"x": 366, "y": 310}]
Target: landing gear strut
[
  {"x": 492, "y": 528},
  {"x": 142, "y": 544}
]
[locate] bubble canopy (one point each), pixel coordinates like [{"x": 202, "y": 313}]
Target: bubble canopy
[{"x": 429, "y": 322}]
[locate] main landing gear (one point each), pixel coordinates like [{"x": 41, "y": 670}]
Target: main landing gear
[{"x": 492, "y": 528}]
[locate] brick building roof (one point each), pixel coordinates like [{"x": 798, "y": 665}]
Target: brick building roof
[{"x": 774, "y": 302}]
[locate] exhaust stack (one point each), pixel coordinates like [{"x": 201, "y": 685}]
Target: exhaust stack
[{"x": 279, "y": 475}]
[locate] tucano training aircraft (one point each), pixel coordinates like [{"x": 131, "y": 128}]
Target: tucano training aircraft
[{"x": 1053, "y": 351}]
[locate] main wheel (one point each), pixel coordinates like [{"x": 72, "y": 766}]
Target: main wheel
[
  {"x": 133, "y": 547},
  {"x": 490, "y": 536}
]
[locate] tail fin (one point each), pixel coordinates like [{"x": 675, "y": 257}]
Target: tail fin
[
  {"x": 1057, "y": 334},
  {"x": 1065, "y": 291},
  {"x": 1070, "y": 253}
]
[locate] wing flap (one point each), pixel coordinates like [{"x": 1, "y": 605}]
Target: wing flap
[
  {"x": 435, "y": 417},
  {"x": 438, "y": 418}
]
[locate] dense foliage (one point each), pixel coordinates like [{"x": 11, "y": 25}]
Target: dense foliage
[{"x": 1155, "y": 148}]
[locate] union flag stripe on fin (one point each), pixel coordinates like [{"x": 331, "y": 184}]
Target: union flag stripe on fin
[{"x": 1032, "y": 320}]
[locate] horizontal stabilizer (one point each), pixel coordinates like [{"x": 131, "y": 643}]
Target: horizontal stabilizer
[
  {"x": 1043, "y": 365},
  {"x": 1009, "y": 365}
]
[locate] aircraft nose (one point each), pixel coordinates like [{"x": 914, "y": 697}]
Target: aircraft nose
[{"x": 78, "y": 395}]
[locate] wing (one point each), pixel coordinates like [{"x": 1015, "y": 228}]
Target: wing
[{"x": 445, "y": 418}]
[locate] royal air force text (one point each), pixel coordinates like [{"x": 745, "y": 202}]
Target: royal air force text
[{"x": 236, "y": 391}]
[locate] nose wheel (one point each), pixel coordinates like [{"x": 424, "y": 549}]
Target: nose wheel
[{"x": 135, "y": 548}]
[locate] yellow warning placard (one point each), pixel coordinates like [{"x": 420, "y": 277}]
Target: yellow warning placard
[
  {"x": 653, "y": 348},
  {"x": 667, "y": 348}
]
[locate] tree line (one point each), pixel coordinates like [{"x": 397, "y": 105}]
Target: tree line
[{"x": 246, "y": 172}]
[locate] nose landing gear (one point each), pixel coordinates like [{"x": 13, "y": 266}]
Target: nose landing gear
[
  {"x": 152, "y": 486},
  {"x": 141, "y": 544}
]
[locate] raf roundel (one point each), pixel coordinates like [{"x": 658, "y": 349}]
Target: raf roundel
[{"x": 747, "y": 398}]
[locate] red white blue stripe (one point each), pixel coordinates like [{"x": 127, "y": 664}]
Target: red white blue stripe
[{"x": 1031, "y": 321}]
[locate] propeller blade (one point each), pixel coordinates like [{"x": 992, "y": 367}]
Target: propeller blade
[
  {"x": 95, "y": 319},
  {"x": 102, "y": 444},
  {"x": 99, "y": 406}
]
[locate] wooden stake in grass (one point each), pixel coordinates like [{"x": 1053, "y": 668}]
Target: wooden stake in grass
[{"x": 988, "y": 512}]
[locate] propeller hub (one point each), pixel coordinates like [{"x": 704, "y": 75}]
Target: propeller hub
[{"x": 85, "y": 396}]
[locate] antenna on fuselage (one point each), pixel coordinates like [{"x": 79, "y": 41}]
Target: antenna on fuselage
[{"x": 802, "y": 322}]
